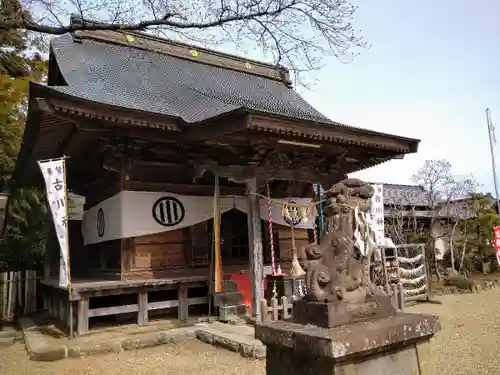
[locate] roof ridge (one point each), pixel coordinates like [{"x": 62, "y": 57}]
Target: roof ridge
[
  {"x": 144, "y": 41},
  {"x": 405, "y": 185}
]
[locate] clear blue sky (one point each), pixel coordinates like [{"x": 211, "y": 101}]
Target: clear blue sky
[{"x": 432, "y": 69}]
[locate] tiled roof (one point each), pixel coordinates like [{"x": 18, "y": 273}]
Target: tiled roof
[
  {"x": 405, "y": 195},
  {"x": 137, "y": 79}
]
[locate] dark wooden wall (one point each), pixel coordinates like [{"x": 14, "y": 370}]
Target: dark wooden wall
[
  {"x": 173, "y": 253},
  {"x": 159, "y": 250},
  {"x": 285, "y": 240}
]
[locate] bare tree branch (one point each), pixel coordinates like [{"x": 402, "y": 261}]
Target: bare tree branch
[
  {"x": 444, "y": 189},
  {"x": 297, "y": 33}
]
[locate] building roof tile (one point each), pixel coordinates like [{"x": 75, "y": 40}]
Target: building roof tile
[{"x": 194, "y": 92}]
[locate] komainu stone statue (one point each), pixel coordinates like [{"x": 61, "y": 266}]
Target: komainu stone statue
[
  {"x": 344, "y": 325},
  {"x": 337, "y": 277}
]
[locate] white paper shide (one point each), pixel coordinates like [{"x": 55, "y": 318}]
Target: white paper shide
[{"x": 55, "y": 183}]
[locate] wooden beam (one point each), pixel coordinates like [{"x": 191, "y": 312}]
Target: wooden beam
[
  {"x": 239, "y": 174},
  {"x": 101, "y": 195},
  {"x": 216, "y": 128},
  {"x": 207, "y": 190},
  {"x": 256, "y": 247},
  {"x": 75, "y": 110},
  {"x": 66, "y": 141},
  {"x": 136, "y": 132},
  {"x": 331, "y": 133}
]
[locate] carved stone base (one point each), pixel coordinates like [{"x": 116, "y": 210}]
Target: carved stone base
[
  {"x": 398, "y": 345},
  {"x": 330, "y": 315}
]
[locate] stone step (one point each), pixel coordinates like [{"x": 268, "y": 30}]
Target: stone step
[
  {"x": 229, "y": 286},
  {"x": 244, "y": 344},
  {"x": 8, "y": 332},
  {"x": 7, "y": 341},
  {"x": 39, "y": 348},
  {"x": 238, "y": 330},
  {"x": 236, "y": 321},
  {"x": 228, "y": 312},
  {"x": 228, "y": 299}
]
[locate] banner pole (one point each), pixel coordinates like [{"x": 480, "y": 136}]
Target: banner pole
[
  {"x": 70, "y": 309},
  {"x": 47, "y": 160}
]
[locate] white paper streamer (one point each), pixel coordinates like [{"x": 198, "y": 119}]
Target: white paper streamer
[
  {"x": 410, "y": 260},
  {"x": 364, "y": 236},
  {"x": 413, "y": 292},
  {"x": 415, "y": 281},
  {"x": 411, "y": 272}
]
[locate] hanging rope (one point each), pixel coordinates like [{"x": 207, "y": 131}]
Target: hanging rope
[
  {"x": 320, "y": 209},
  {"x": 270, "y": 221},
  {"x": 315, "y": 227},
  {"x": 312, "y": 205}
]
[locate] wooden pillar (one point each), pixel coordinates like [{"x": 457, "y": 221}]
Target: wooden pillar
[
  {"x": 255, "y": 247},
  {"x": 82, "y": 318},
  {"x": 183, "y": 302},
  {"x": 142, "y": 315}
]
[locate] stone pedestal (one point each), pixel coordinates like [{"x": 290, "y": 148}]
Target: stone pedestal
[{"x": 395, "y": 345}]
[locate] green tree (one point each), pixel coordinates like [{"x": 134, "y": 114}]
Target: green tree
[
  {"x": 23, "y": 240},
  {"x": 476, "y": 233}
]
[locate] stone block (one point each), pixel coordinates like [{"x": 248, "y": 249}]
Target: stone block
[
  {"x": 144, "y": 341},
  {"x": 10, "y": 332},
  {"x": 37, "y": 346},
  {"x": 7, "y": 341},
  {"x": 232, "y": 338},
  {"x": 329, "y": 315},
  {"x": 228, "y": 312},
  {"x": 48, "y": 353},
  {"x": 386, "y": 346},
  {"x": 228, "y": 299},
  {"x": 229, "y": 286},
  {"x": 88, "y": 350}
]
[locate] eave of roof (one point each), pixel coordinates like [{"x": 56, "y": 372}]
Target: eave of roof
[{"x": 279, "y": 125}]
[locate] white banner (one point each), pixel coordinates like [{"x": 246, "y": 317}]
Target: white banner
[
  {"x": 103, "y": 222},
  {"x": 159, "y": 212},
  {"x": 376, "y": 214},
  {"x": 55, "y": 182},
  {"x": 134, "y": 213}
]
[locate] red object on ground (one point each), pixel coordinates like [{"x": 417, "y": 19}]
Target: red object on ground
[
  {"x": 245, "y": 287},
  {"x": 496, "y": 243}
]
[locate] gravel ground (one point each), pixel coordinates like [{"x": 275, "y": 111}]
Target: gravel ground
[
  {"x": 470, "y": 340},
  {"x": 468, "y": 345}
]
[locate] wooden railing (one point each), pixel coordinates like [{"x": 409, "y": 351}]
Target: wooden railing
[
  {"x": 276, "y": 311},
  {"x": 18, "y": 294}
]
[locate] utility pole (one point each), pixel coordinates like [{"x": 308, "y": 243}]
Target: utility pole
[{"x": 491, "y": 133}]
